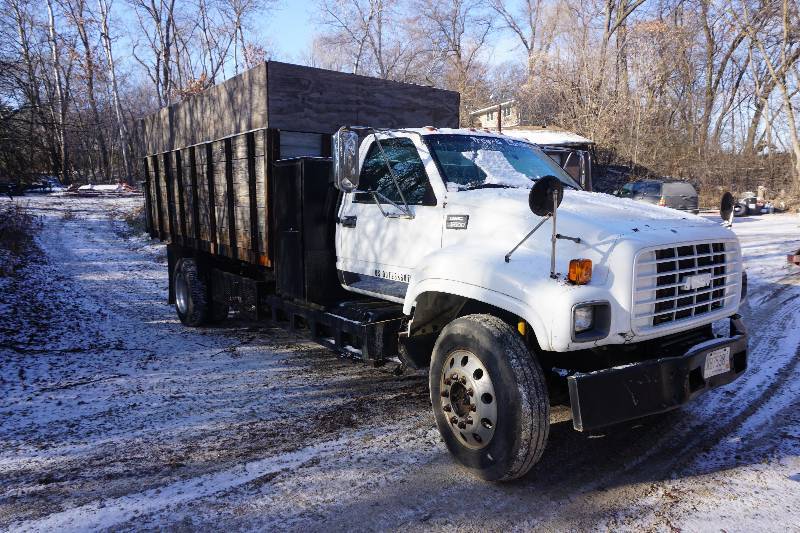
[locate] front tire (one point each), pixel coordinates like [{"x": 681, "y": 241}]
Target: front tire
[
  {"x": 191, "y": 293},
  {"x": 489, "y": 397}
]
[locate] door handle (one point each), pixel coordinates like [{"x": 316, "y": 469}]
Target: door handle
[{"x": 348, "y": 221}]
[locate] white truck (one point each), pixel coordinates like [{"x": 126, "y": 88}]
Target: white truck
[
  {"x": 473, "y": 254},
  {"x": 623, "y": 318}
]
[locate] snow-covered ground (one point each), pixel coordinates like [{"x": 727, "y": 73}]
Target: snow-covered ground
[{"x": 114, "y": 416}]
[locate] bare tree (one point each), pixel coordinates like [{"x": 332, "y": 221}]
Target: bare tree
[
  {"x": 78, "y": 15},
  {"x": 60, "y": 110},
  {"x": 112, "y": 72},
  {"x": 528, "y": 23},
  {"x": 785, "y": 22}
]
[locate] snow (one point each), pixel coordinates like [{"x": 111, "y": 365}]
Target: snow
[
  {"x": 498, "y": 170},
  {"x": 114, "y": 416},
  {"x": 102, "y": 188},
  {"x": 548, "y": 137}
]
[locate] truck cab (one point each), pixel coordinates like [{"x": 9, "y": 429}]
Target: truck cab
[{"x": 612, "y": 303}]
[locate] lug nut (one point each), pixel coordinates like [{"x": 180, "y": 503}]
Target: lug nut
[
  {"x": 453, "y": 420},
  {"x": 447, "y": 408},
  {"x": 462, "y": 425},
  {"x": 463, "y": 380},
  {"x": 469, "y": 420},
  {"x": 473, "y": 407},
  {"x": 448, "y": 381},
  {"x": 445, "y": 394},
  {"x": 454, "y": 377}
]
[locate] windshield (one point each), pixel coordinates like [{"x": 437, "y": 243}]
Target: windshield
[{"x": 476, "y": 161}]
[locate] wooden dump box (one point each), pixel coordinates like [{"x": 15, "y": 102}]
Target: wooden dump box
[{"x": 208, "y": 160}]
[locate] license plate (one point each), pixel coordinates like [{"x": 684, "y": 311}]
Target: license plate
[{"x": 717, "y": 362}]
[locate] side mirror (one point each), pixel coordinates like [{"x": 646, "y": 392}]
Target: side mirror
[
  {"x": 726, "y": 208},
  {"x": 546, "y": 196},
  {"x": 345, "y": 159}
]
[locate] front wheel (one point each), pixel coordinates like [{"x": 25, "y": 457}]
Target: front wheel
[{"x": 489, "y": 397}]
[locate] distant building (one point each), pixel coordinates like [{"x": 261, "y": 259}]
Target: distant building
[
  {"x": 574, "y": 153},
  {"x": 507, "y": 112}
]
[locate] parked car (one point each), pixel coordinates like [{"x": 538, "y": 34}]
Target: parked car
[
  {"x": 679, "y": 195},
  {"x": 10, "y": 188},
  {"x": 45, "y": 184},
  {"x": 749, "y": 204}
]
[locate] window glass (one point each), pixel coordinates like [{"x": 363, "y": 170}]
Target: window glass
[
  {"x": 627, "y": 190},
  {"x": 679, "y": 189},
  {"x": 408, "y": 169},
  {"x": 472, "y": 161},
  {"x": 651, "y": 188}
]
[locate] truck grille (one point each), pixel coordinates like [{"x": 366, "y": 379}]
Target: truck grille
[{"x": 685, "y": 283}]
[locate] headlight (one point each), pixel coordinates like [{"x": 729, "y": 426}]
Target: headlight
[
  {"x": 583, "y": 318},
  {"x": 591, "y": 321}
]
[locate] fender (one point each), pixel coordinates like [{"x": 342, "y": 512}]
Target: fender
[
  {"x": 522, "y": 287},
  {"x": 481, "y": 294}
]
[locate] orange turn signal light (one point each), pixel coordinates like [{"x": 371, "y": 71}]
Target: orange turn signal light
[{"x": 580, "y": 271}]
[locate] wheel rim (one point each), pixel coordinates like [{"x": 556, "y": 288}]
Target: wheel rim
[
  {"x": 181, "y": 293},
  {"x": 468, "y": 399}
]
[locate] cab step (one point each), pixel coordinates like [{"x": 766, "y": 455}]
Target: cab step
[{"x": 364, "y": 329}]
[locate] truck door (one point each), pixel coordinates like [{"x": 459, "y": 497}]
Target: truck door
[{"x": 378, "y": 241}]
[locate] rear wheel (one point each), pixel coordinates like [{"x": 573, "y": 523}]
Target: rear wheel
[
  {"x": 191, "y": 293},
  {"x": 489, "y": 397}
]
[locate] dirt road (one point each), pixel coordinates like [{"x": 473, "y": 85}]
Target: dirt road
[{"x": 115, "y": 416}]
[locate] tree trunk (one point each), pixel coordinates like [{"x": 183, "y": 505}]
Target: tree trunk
[
  {"x": 123, "y": 131},
  {"x": 60, "y": 103}
]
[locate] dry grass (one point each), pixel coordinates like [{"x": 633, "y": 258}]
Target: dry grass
[
  {"x": 17, "y": 230},
  {"x": 136, "y": 220}
]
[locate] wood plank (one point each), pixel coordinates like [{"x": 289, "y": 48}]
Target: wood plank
[
  {"x": 252, "y": 157},
  {"x": 169, "y": 196},
  {"x": 195, "y": 218},
  {"x": 210, "y": 207},
  {"x": 179, "y": 195},
  {"x": 229, "y": 196}
]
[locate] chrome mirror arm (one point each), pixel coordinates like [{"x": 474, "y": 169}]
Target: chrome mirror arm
[{"x": 405, "y": 213}]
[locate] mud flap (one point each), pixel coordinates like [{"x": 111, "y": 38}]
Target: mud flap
[{"x": 619, "y": 394}]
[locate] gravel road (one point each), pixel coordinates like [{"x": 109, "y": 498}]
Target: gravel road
[{"x": 114, "y": 416}]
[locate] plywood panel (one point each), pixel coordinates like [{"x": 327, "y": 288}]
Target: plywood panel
[
  {"x": 295, "y": 98},
  {"x": 234, "y": 106},
  {"x": 321, "y": 101}
]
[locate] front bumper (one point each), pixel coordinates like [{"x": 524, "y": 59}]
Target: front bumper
[{"x": 614, "y": 395}]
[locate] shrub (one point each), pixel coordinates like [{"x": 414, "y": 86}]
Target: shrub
[{"x": 17, "y": 230}]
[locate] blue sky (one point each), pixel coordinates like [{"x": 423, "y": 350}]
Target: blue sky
[{"x": 290, "y": 28}]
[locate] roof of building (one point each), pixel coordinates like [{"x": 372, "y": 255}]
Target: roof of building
[{"x": 547, "y": 136}]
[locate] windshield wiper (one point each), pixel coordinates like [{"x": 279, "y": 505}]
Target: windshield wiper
[{"x": 486, "y": 186}]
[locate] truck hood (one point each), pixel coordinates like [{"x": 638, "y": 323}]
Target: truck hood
[{"x": 588, "y": 215}]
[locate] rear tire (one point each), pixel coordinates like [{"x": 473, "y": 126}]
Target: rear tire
[
  {"x": 489, "y": 397},
  {"x": 191, "y": 293}
]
